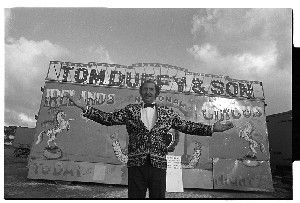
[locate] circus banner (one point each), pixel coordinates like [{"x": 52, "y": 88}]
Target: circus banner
[
  {"x": 69, "y": 147},
  {"x": 169, "y": 78},
  {"x": 242, "y": 175}
]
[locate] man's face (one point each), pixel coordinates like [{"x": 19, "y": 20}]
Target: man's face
[{"x": 148, "y": 93}]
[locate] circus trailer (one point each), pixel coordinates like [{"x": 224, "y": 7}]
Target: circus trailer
[{"x": 69, "y": 147}]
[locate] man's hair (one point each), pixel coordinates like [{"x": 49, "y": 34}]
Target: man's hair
[{"x": 157, "y": 88}]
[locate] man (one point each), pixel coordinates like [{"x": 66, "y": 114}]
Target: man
[{"x": 147, "y": 123}]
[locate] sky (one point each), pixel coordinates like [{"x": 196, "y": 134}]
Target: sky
[{"x": 247, "y": 44}]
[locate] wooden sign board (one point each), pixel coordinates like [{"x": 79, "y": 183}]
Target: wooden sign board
[{"x": 83, "y": 150}]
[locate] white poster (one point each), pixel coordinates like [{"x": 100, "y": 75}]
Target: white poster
[{"x": 174, "y": 174}]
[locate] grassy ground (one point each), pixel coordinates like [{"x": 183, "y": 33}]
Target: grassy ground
[{"x": 16, "y": 185}]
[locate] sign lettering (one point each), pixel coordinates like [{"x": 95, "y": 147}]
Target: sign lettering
[{"x": 169, "y": 78}]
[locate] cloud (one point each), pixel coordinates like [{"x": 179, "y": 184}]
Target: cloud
[
  {"x": 278, "y": 91},
  {"x": 246, "y": 31},
  {"x": 93, "y": 53},
  {"x": 25, "y": 119},
  {"x": 26, "y": 65},
  {"x": 245, "y": 65},
  {"x": 19, "y": 119},
  {"x": 7, "y": 15}
]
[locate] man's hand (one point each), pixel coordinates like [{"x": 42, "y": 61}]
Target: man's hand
[
  {"x": 79, "y": 103},
  {"x": 219, "y": 127},
  {"x": 114, "y": 136}
]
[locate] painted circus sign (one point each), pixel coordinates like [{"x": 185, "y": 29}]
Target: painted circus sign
[
  {"x": 170, "y": 78},
  {"x": 69, "y": 147}
]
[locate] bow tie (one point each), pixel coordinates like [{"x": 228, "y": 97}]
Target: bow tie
[{"x": 149, "y": 105}]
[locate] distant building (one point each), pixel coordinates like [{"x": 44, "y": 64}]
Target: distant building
[
  {"x": 10, "y": 130},
  {"x": 24, "y": 137},
  {"x": 280, "y": 139},
  {"x": 18, "y": 136},
  {"x": 9, "y": 134}
]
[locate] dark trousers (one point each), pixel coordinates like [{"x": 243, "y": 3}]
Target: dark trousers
[{"x": 142, "y": 177}]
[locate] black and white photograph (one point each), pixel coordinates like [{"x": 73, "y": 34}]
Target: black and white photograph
[{"x": 133, "y": 101}]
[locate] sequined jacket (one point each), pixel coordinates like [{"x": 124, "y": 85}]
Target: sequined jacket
[{"x": 142, "y": 141}]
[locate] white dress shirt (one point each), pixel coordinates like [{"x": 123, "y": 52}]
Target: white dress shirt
[{"x": 148, "y": 116}]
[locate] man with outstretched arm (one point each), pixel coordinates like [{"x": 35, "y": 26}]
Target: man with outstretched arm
[{"x": 147, "y": 123}]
